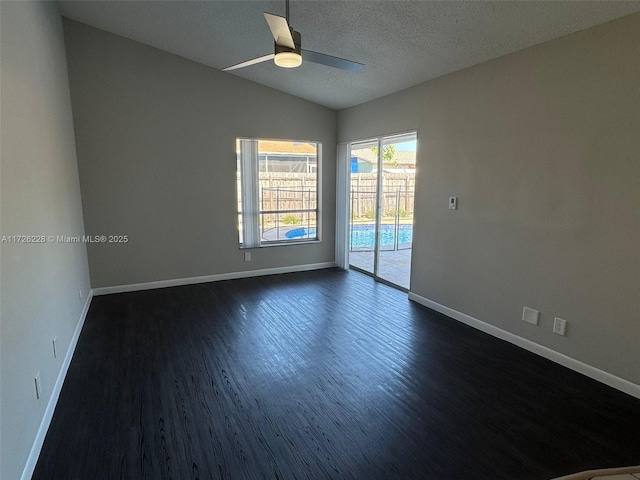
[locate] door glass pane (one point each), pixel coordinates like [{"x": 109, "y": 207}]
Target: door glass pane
[
  {"x": 363, "y": 198},
  {"x": 396, "y": 210}
]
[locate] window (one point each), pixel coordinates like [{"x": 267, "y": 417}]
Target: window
[{"x": 278, "y": 191}]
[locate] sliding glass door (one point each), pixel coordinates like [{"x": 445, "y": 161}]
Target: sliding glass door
[
  {"x": 381, "y": 196},
  {"x": 364, "y": 206}
]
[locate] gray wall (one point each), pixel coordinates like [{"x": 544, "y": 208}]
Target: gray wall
[
  {"x": 156, "y": 137},
  {"x": 40, "y": 195},
  {"x": 541, "y": 147}
]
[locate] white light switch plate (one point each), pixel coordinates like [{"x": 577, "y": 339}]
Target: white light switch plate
[
  {"x": 530, "y": 315},
  {"x": 560, "y": 326}
]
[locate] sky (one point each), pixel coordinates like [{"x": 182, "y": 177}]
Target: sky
[{"x": 406, "y": 146}]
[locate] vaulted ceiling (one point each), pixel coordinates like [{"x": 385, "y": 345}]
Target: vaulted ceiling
[{"x": 402, "y": 43}]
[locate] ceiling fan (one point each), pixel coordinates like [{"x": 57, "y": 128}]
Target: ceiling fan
[{"x": 288, "y": 52}]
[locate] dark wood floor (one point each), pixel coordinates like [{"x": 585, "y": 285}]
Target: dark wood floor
[{"x": 323, "y": 375}]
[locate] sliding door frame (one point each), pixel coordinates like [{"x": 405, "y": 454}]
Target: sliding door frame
[{"x": 343, "y": 214}]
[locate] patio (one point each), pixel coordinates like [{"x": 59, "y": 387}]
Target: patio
[{"x": 394, "y": 266}]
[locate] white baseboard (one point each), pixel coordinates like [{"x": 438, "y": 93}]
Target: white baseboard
[
  {"x": 576, "y": 365},
  {"x": 32, "y": 460},
  {"x": 210, "y": 278}
]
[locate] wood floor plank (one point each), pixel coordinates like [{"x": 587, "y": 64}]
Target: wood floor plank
[{"x": 318, "y": 375}]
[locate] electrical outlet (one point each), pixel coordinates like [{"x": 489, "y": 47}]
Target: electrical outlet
[
  {"x": 55, "y": 347},
  {"x": 79, "y": 294},
  {"x": 560, "y": 326},
  {"x": 247, "y": 256},
  {"x": 453, "y": 203},
  {"x": 38, "y": 386},
  {"x": 530, "y": 315}
]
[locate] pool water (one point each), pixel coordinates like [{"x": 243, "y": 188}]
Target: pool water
[
  {"x": 301, "y": 233},
  {"x": 363, "y": 236}
]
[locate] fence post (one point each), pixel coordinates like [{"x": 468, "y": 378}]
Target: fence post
[
  {"x": 395, "y": 245},
  {"x": 261, "y": 218},
  {"x": 309, "y": 214},
  {"x": 302, "y": 185},
  {"x": 358, "y": 197},
  {"x": 351, "y": 224},
  {"x": 277, "y": 210},
  {"x": 302, "y": 200},
  {"x": 406, "y": 193}
]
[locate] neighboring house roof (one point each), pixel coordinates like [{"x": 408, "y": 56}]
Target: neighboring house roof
[{"x": 288, "y": 148}]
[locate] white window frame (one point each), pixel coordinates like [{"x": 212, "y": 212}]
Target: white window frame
[{"x": 248, "y": 164}]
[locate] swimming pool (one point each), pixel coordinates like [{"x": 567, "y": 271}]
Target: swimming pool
[{"x": 363, "y": 236}]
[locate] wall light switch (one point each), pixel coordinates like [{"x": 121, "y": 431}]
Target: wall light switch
[
  {"x": 453, "y": 203},
  {"x": 560, "y": 326},
  {"x": 530, "y": 315}
]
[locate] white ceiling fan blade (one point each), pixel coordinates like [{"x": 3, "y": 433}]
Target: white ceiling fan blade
[
  {"x": 280, "y": 30},
  {"x": 249, "y": 62},
  {"x": 331, "y": 61}
]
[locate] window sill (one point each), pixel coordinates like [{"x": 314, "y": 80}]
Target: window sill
[{"x": 281, "y": 244}]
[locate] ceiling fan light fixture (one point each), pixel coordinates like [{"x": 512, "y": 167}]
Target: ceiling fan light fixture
[
  {"x": 288, "y": 59},
  {"x": 288, "y": 49}
]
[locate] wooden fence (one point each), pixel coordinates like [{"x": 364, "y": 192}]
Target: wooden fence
[
  {"x": 297, "y": 191},
  {"x": 289, "y": 191},
  {"x": 398, "y": 192}
]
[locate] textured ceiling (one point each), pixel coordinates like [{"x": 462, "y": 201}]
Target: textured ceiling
[{"x": 401, "y": 43}]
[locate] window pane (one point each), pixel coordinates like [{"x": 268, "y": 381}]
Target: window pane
[
  {"x": 286, "y": 196},
  {"x": 290, "y": 227},
  {"x": 240, "y": 234},
  {"x": 239, "y": 190}
]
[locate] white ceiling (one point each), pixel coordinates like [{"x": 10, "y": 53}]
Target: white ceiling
[{"x": 402, "y": 43}]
